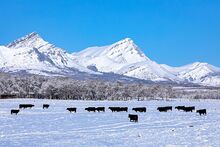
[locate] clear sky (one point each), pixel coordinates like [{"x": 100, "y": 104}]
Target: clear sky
[{"x": 174, "y": 32}]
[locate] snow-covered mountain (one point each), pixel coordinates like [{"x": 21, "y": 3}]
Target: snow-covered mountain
[
  {"x": 34, "y": 55},
  {"x": 123, "y": 57},
  {"x": 111, "y": 58},
  {"x": 200, "y": 73}
]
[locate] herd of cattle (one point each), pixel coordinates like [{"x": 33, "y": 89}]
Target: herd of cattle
[{"x": 132, "y": 117}]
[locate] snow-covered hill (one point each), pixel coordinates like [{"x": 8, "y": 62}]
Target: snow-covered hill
[
  {"x": 34, "y": 55},
  {"x": 200, "y": 73},
  {"x": 111, "y": 58},
  {"x": 123, "y": 57}
]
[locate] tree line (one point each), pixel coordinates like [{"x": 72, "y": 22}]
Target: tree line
[{"x": 34, "y": 86}]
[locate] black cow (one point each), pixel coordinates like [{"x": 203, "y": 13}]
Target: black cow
[
  {"x": 71, "y": 109},
  {"x": 192, "y": 107},
  {"x": 189, "y": 109},
  {"x": 133, "y": 117},
  {"x": 118, "y": 109},
  {"x": 164, "y": 109},
  {"x": 124, "y": 109},
  {"x": 201, "y": 111},
  {"x": 140, "y": 109},
  {"x": 180, "y": 108},
  {"x": 91, "y": 109},
  {"x": 100, "y": 109},
  {"x": 46, "y": 106},
  {"x": 169, "y": 108},
  {"x": 114, "y": 109},
  {"x": 24, "y": 106},
  {"x": 14, "y": 111}
]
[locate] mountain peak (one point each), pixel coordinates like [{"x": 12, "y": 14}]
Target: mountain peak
[
  {"x": 199, "y": 63},
  {"x": 124, "y": 44},
  {"x": 32, "y": 35},
  {"x": 29, "y": 40},
  {"x": 126, "y": 51},
  {"x": 125, "y": 41}
]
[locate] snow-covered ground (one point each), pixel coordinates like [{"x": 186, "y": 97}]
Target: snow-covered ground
[{"x": 57, "y": 127}]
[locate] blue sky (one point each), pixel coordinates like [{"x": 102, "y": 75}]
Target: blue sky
[{"x": 175, "y": 32}]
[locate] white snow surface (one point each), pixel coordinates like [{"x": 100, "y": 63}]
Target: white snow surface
[{"x": 58, "y": 128}]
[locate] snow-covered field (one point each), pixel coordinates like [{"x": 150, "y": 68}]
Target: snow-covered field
[{"x": 57, "y": 127}]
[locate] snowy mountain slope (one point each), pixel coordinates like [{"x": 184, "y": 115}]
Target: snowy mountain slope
[
  {"x": 33, "y": 53},
  {"x": 123, "y": 57},
  {"x": 148, "y": 70},
  {"x": 24, "y": 58},
  {"x": 202, "y": 73},
  {"x": 111, "y": 58}
]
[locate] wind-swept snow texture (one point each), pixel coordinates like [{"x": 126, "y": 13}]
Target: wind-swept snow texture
[{"x": 57, "y": 127}]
